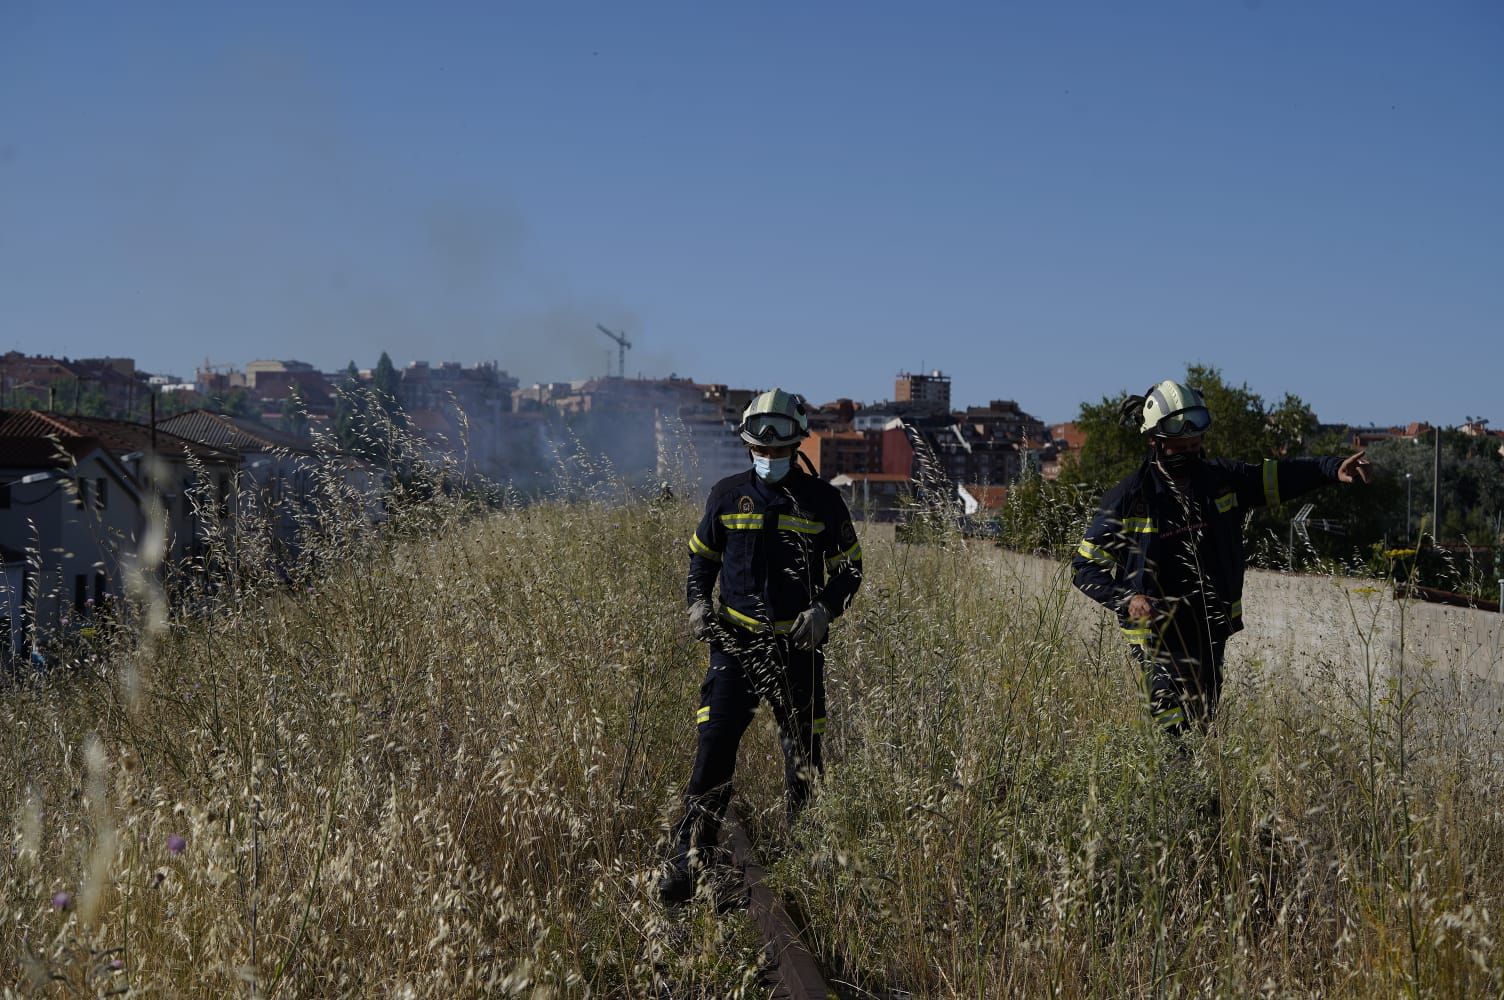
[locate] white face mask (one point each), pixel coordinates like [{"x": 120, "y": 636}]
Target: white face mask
[{"x": 770, "y": 470}]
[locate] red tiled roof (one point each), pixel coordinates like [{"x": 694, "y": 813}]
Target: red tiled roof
[
  {"x": 117, "y": 436},
  {"x": 220, "y": 430}
]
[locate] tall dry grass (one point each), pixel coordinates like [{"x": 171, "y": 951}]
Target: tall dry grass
[
  {"x": 441, "y": 762},
  {"x": 1001, "y": 820},
  {"x": 440, "y": 767}
]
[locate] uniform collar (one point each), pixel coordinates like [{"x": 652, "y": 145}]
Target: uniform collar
[{"x": 1159, "y": 482}]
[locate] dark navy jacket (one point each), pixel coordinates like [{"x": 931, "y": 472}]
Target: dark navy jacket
[
  {"x": 1125, "y": 551},
  {"x": 776, "y": 549}
]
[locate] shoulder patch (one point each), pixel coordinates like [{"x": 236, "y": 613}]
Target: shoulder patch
[
  {"x": 746, "y": 505},
  {"x": 848, "y": 534}
]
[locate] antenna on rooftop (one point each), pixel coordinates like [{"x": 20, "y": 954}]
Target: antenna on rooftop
[{"x": 622, "y": 343}]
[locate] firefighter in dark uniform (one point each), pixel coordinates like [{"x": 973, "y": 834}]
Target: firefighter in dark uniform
[
  {"x": 783, "y": 547},
  {"x": 1165, "y": 549}
]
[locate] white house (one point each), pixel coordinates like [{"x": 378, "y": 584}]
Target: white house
[
  {"x": 192, "y": 481},
  {"x": 70, "y": 513}
]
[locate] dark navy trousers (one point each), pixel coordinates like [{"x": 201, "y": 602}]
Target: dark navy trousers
[
  {"x": 742, "y": 675},
  {"x": 1183, "y": 671}
]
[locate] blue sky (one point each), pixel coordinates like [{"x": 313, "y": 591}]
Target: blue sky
[{"x": 1048, "y": 201}]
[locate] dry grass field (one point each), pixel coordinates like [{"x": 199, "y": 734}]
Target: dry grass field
[{"x": 440, "y": 763}]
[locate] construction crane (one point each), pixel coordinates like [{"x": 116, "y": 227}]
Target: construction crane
[{"x": 622, "y": 343}]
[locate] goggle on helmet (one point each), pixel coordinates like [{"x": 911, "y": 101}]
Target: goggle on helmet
[
  {"x": 1174, "y": 410},
  {"x": 774, "y": 419}
]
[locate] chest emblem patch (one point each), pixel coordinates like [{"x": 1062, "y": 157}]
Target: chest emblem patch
[{"x": 746, "y": 505}]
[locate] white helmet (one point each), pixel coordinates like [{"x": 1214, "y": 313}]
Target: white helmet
[
  {"x": 1175, "y": 410},
  {"x": 774, "y": 419}
]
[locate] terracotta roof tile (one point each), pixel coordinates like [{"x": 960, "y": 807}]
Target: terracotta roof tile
[
  {"x": 220, "y": 430},
  {"x": 117, "y": 436}
]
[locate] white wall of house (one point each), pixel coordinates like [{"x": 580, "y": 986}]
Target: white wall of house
[
  {"x": 177, "y": 485},
  {"x": 74, "y": 531}
]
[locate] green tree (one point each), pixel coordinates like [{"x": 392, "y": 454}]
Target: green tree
[
  {"x": 386, "y": 384},
  {"x": 348, "y": 403},
  {"x": 236, "y": 402},
  {"x": 172, "y": 403},
  {"x": 80, "y": 396},
  {"x": 1045, "y": 517},
  {"x": 1472, "y": 492},
  {"x": 295, "y": 414}
]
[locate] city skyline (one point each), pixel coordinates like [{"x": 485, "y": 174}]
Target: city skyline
[
  {"x": 1066, "y": 203},
  {"x": 172, "y": 382}
]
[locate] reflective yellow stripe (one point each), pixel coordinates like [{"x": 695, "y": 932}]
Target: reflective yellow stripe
[
  {"x": 804, "y": 526},
  {"x": 703, "y": 715},
  {"x": 1095, "y": 553},
  {"x": 1226, "y": 502},
  {"x": 819, "y": 727},
  {"x": 751, "y": 624},
  {"x": 1140, "y": 525},
  {"x": 742, "y": 522},
  {"x": 1237, "y": 608},
  {"x": 699, "y": 548},
  {"x": 1138, "y": 636},
  {"x": 854, "y": 553},
  {"x": 1271, "y": 482}
]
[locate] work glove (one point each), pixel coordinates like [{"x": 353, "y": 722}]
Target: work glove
[
  {"x": 701, "y": 621},
  {"x": 811, "y": 627}
]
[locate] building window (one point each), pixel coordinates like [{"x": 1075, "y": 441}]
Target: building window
[
  {"x": 101, "y": 584},
  {"x": 80, "y": 488},
  {"x": 100, "y": 499},
  {"x": 4, "y": 496},
  {"x": 80, "y": 592}
]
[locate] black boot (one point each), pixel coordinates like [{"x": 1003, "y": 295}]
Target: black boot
[
  {"x": 696, "y": 837},
  {"x": 677, "y": 884}
]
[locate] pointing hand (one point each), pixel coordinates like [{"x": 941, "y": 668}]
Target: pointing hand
[{"x": 1355, "y": 469}]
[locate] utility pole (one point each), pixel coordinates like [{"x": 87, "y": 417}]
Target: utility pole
[
  {"x": 1436, "y": 492},
  {"x": 1407, "y": 507}
]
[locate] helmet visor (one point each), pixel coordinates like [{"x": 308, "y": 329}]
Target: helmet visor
[
  {"x": 770, "y": 427},
  {"x": 1186, "y": 423}
]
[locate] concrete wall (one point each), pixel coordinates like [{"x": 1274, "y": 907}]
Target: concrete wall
[
  {"x": 1317, "y": 626},
  {"x": 1317, "y": 623}
]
